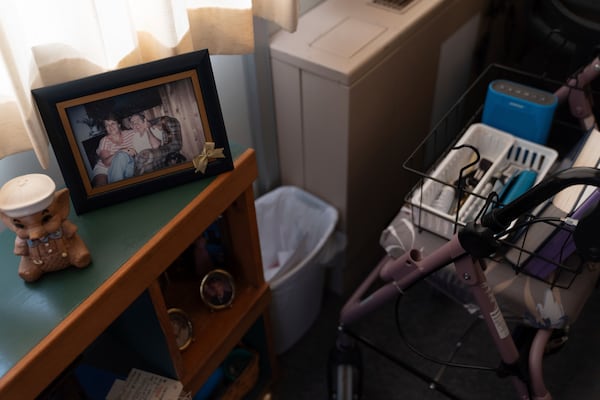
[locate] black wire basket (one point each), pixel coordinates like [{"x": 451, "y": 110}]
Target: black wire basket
[{"x": 565, "y": 133}]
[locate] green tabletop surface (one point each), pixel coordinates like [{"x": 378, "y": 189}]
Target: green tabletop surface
[{"x": 30, "y": 311}]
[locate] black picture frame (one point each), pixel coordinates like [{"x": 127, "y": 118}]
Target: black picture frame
[
  {"x": 176, "y": 95},
  {"x": 217, "y": 289}
]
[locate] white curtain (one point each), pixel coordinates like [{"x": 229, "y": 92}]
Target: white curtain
[{"x": 46, "y": 42}]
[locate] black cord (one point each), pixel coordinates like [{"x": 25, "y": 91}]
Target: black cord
[
  {"x": 432, "y": 382},
  {"x": 461, "y": 182},
  {"x": 491, "y": 198},
  {"x": 435, "y": 359}
]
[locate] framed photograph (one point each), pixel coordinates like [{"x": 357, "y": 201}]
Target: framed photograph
[
  {"x": 217, "y": 289},
  {"x": 136, "y": 130},
  {"x": 183, "y": 328}
]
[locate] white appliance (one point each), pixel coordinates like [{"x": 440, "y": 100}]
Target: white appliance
[{"x": 354, "y": 91}]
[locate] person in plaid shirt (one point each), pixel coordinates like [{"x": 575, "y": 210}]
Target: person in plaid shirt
[
  {"x": 168, "y": 129},
  {"x": 145, "y": 137}
]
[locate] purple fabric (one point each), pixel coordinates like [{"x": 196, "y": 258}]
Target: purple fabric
[{"x": 560, "y": 245}]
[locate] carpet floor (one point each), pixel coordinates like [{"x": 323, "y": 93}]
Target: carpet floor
[{"x": 434, "y": 324}]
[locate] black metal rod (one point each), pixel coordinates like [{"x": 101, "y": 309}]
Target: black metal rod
[{"x": 431, "y": 382}]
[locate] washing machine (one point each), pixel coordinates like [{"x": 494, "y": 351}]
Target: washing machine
[{"x": 356, "y": 88}]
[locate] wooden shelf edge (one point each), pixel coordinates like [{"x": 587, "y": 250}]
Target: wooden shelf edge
[{"x": 193, "y": 380}]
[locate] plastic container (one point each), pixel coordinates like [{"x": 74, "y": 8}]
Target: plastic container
[
  {"x": 295, "y": 229},
  {"x": 492, "y": 144},
  {"x": 521, "y": 153},
  {"x": 495, "y": 145}
]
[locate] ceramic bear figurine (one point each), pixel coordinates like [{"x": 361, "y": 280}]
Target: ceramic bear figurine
[{"x": 46, "y": 240}]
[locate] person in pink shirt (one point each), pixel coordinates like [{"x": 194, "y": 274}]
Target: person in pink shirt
[{"x": 115, "y": 154}]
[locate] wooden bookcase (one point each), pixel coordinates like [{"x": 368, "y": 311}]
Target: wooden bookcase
[{"x": 128, "y": 261}]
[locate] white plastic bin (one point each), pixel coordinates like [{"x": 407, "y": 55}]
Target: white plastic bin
[
  {"x": 497, "y": 146},
  {"x": 491, "y": 144},
  {"x": 294, "y": 229}
]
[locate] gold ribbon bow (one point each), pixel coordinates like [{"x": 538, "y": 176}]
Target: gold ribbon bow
[{"x": 208, "y": 152}]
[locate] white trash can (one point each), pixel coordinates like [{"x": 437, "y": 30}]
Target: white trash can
[{"x": 295, "y": 229}]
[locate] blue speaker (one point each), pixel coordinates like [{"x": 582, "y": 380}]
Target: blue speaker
[{"x": 520, "y": 110}]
